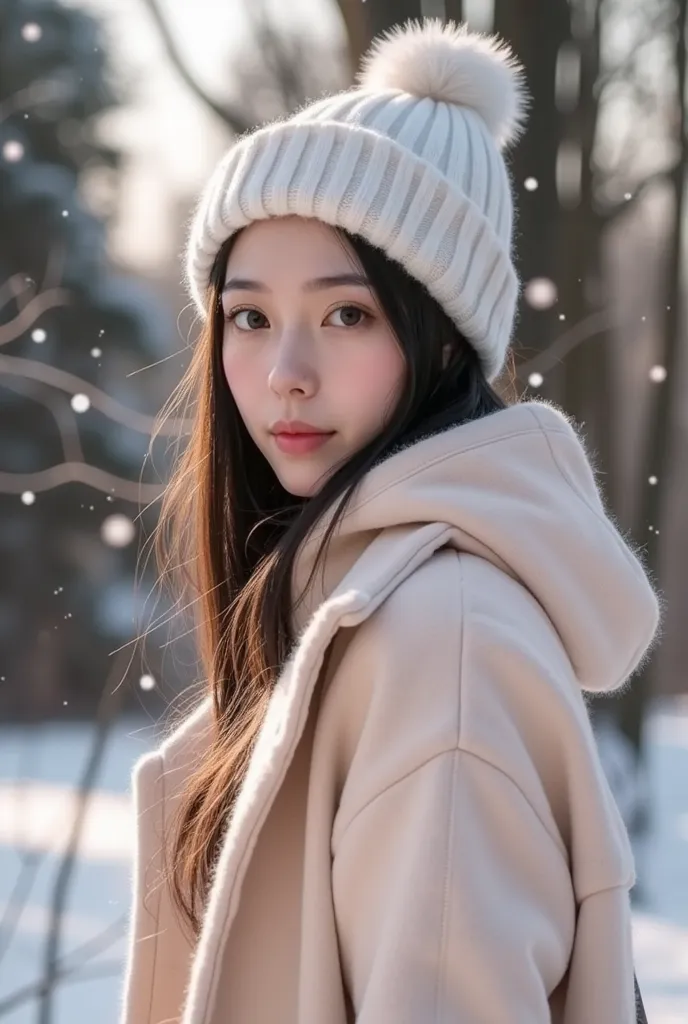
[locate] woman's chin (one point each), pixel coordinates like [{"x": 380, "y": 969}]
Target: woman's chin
[{"x": 303, "y": 480}]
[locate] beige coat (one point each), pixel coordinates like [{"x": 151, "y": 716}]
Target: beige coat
[{"x": 425, "y": 834}]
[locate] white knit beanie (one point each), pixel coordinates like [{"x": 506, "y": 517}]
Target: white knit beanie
[{"x": 410, "y": 160}]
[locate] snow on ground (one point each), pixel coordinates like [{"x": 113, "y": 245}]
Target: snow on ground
[{"x": 38, "y": 769}]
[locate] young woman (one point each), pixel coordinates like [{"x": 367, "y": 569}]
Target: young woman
[{"x": 389, "y": 806}]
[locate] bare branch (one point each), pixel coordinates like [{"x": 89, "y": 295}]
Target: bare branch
[
  {"x": 111, "y": 969},
  {"x": 30, "y": 863},
  {"x": 230, "y": 116},
  {"x": 109, "y": 707},
  {"x": 99, "y": 943},
  {"x": 611, "y": 212},
  {"x": 544, "y": 361},
  {"x": 661, "y": 22},
  {"x": 64, "y": 417},
  {"x": 71, "y": 384},
  {"x": 275, "y": 56},
  {"x": 12, "y": 288},
  {"x": 33, "y": 95},
  {"x": 80, "y": 472},
  {"x": 31, "y": 312}
]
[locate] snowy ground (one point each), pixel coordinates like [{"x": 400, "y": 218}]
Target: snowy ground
[{"x": 37, "y": 769}]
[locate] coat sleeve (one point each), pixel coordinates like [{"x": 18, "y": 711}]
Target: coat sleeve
[
  {"x": 600, "y": 982},
  {"x": 147, "y": 786},
  {"x": 453, "y": 901}
]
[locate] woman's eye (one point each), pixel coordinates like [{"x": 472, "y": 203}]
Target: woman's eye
[
  {"x": 348, "y": 316},
  {"x": 248, "y": 319}
]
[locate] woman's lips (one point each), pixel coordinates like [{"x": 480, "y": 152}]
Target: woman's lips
[{"x": 300, "y": 444}]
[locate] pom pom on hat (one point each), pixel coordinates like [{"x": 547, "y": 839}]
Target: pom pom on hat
[{"x": 447, "y": 62}]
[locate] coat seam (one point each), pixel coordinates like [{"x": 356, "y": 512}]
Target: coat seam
[
  {"x": 156, "y": 930},
  {"x": 510, "y": 436},
  {"x": 462, "y": 649},
  {"x": 470, "y": 754},
  {"x": 626, "y": 885},
  {"x": 447, "y": 888}
]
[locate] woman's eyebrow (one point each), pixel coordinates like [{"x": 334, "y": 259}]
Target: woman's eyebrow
[
  {"x": 318, "y": 284},
  {"x": 335, "y": 281},
  {"x": 243, "y": 284}
]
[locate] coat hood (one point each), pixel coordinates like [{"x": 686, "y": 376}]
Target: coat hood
[{"x": 518, "y": 489}]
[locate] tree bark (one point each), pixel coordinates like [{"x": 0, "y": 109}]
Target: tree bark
[
  {"x": 356, "y": 28},
  {"x": 536, "y": 31},
  {"x": 664, "y": 398},
  {"x": 382, "y": 15},
  {"x": 453, "y": 10},
  {"x": 588, "y": 391}
]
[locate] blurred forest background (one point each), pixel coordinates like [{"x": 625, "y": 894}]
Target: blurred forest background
[{"x": 112, "y": 112}]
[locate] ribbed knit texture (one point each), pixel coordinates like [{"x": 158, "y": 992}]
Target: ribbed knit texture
[{"x": 422, "y": 179}]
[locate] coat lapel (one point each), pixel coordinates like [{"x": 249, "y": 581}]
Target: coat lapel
[{"x": 385, "y": 563}]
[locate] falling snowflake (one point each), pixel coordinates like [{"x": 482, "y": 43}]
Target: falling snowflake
[
  {"x": 535, "y": 380},
  {"x": 12, "y": 151},
  {"x": 562, "y": 316},
  {"x": 101, "y": 333},
  {"x": 31, "y": 32},
  {"x": 28, "y": 497},
  {"x": 652, "y": 480},
  {"x": 658, "y": 374},
  {"x": 531, "y": 184},
  {"x": 65, "y": 213},
  {"x": 80, "y": 403},
  {"x": 96, "y": 353},
  {"x": 117, "y": 531},
  {"x": 541, "y": 293},
  {"x": 147, "y": 682},
  {"x": 38, "y": 335},
  {"x": 627, "y": 196}
]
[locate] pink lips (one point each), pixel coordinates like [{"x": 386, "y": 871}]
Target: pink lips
[{"x": 301, "y": 443}]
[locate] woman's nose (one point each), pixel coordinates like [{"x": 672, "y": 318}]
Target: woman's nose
[{"x": 292, "y": 371}]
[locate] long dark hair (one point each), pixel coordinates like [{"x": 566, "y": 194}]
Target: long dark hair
[{"x": 228, "y": 533}]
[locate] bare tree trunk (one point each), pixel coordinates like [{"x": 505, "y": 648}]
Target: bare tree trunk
[
  {"x": 356, "y": 28},
  {"x": 587, "y": 385},
  {"x": 453, "y": 10},
  {"x": 384, "y": 14},
  {"x": 656, "y": 459},
  {"x": 536, "y": 32}
]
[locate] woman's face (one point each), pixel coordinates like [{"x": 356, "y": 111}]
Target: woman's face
[{"x": 305, "y": 340}]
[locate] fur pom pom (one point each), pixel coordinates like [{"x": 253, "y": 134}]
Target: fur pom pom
[{"x": 447, "y": 62}]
